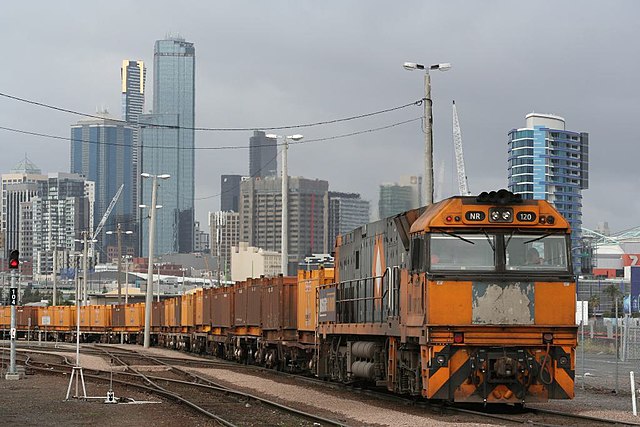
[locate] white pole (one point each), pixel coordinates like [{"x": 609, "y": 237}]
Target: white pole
[
  {"x": 633, "y": 394},
  {"x": 55, "y": 276},
  {"x": 126, "y": 278},
  {"x": 149, "y": 297},
  {"x": 285, "y": 209},
  {"x": 85, "y": 264}
]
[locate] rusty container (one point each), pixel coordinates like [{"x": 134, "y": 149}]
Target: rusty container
[
  {"x": 26, "y": 317},
  {"x": 198, "y": 306},
  {"x": 187, "y": 315},
  {"x": 118, "y": 316},
  {"x": 157, "y": 315},
  {"x": 207, "y": 298},
  {"x": 308, "y": 283},
  {"x": 248, "y": 302},
  {"x": 222, "y": 307},
  {"x": 279, "y": 303}
]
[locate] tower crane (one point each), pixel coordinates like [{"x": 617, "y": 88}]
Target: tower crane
[
  {"x": 463, "y": 185},
  {"x": 104, "y": 219}
]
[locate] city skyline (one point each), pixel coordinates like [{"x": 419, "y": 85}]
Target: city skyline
[{"x": 326, "y": 78}]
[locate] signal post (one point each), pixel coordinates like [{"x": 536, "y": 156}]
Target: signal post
[{"x": 14, "y": 264}]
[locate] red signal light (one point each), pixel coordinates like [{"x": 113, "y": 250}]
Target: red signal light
[
  {"x": 14, "y": 259},
  {"x": 458, "y": 337}
]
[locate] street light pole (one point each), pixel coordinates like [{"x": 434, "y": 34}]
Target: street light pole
[
  {"x": 152, "y": 236},
  {"x": 285, "y": 200},
  {"x": 285, "y": 210},
  {"x": 427, "y": 180}
]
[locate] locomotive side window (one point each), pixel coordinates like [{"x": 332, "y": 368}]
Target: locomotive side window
[
  {"x": 463, "y": 252},
  {"x": 536, "y": 252},
  {"x": 417, "y": 254}
]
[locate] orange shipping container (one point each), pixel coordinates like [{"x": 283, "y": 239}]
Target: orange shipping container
[
  {"x": 64, "y": 318},
  {"x": 134, "y": 316},
  {"x": 188, "y": 312},
  {"x": 308, "y": 282},
  {"x": 199, "y": 306},
  {"x": 5, "y": 316}
]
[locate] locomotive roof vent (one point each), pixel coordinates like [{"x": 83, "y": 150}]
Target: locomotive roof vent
[{"x": 500, "y": 197}]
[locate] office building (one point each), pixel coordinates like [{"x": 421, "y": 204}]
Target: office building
[
  {"x": 133, "y": 76},
  {"x": 225, "y": 233},
  {"x": 200, "y": 239},
  {"x": 249, "y": 261},
  {"x": 167, "y": 139},
  {"x": 102, "y": 151},
  {"x": 548, "y": 162},
  {"x": 346, "y": 212},
  {"x": 19, "y": 185},
  {"x": 263, "y": 155},
  {"x": 230, "y": 192},
  {"x": 400, "y": 196},
  {"x": 261, "y": 210},
  {"x": 60, "y": 212}
]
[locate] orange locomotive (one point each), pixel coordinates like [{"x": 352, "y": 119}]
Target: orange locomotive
[{"x": 467, "y": 300}]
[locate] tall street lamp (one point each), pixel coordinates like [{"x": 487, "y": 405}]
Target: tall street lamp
[
  {"x": 119, "y": 232},
  {"x": 285, "y": 199},
  {"x": 152, "y": 232},
  {"x": 428, "y": 124}
]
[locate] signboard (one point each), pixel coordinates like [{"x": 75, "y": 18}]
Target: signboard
[
  {"x": 582, "y": 312},
  {"x": 13, "y": 296},
  {"x": 327, "y": 305},
  {"x": 46, "y": 320}
]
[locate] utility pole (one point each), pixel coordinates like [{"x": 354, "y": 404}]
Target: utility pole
[
  {"x": 285, "y": 209},
  {"x": 119, "y": 238},
  {"x": 55, "y": 275}
]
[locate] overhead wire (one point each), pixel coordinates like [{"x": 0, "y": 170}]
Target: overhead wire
[{"x": 214, "y": 129}]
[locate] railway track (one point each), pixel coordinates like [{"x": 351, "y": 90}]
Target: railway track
[
  {"x": 224, "y": 405},
  {"x": 173, "y": 379}
]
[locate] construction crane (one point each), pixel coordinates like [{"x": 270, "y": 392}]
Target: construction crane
[
  {"x": 104, "y": 219},
  {"x": 463, "y": 185}
]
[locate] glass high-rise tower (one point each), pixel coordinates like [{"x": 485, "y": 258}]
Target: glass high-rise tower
[
  {"x": 167, "y": 146},
  {"x": 548, "y": 162},
  {"x": 102, "y": 152}
]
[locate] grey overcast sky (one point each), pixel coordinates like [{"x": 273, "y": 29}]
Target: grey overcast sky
[{"x": 289, "y": 62}]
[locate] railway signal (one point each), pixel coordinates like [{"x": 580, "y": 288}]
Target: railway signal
[{"x": 14, "y": 259}]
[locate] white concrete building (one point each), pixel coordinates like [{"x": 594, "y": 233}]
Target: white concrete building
[{"x": 249, "y": 261}]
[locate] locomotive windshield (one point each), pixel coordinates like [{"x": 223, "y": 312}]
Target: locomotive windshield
[
  {"x": 527, "y": 252},
  {"x": 487, "y": 252},
  {"x": 462, "y": 252}
]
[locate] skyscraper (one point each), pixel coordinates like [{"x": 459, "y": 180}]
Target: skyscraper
[
  {"x": 167, "y": 141},
  {"x": 230, "y": 192},
  {"x": 225, "y": 233},
  {"x": 261, "y": 209},
  {"x": 346, "y": 212},
  {"x": 263, "y": 155},
  {"x": 548, "y": 162},
  {"x": 399, "y": 197},
  {"x": 133, "y": 76},
  {"x": 19, "y": 185},
  {"x": 102, "y": 151},
  {"x": 60, "y": 212}
]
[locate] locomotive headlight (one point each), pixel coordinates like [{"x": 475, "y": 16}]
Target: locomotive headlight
[
  {"x": 563, "y": 361},
  {"x": 441, "y": 360},
  {"x": 501, "y": 214}
]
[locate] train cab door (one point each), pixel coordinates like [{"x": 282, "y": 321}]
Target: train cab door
[{"x": 413, "y": 285}]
